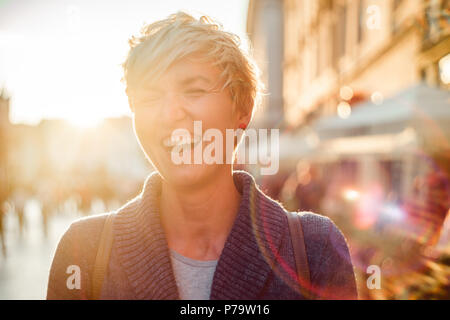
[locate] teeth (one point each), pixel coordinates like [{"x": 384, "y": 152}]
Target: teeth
[
  {"x": 174, "y": 141},
  {"x": 181, "y": 141},
  {"x": 197, "y": 139}
]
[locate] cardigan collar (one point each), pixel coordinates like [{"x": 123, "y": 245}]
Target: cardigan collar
[{"x": 244, "y": 264}]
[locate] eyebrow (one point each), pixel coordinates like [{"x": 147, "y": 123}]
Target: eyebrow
[
  {"x": 191, "y": 80},
  {"x": 183, "y": 83}
]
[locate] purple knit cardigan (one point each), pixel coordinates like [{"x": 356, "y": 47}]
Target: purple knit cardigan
[{"x": 256, "y": 262}]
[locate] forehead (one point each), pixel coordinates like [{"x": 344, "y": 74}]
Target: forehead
[{"x": 190, "y": 70}]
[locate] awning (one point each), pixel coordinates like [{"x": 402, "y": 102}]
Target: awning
[{"x": 418, "y": 107}]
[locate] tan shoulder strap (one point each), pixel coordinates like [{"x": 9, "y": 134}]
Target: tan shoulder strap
[
  {"x": 102, "y": 258},
  {"x": 301, "y": 258}
]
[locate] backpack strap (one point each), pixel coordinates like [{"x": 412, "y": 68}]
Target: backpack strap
[
  {"x": 300, "y": 256},
  {"x": 102, "y": 258}
]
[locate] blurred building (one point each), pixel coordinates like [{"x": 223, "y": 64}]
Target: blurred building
[
  {"x": 354, "y": 50},
  {"x": 266, "y": 33},
  {"x": 4, "y": 129},
  {"x": 55, "y": 160},
  {"x": 365, "y": 102},
  {"x": 367, "y": 111}
]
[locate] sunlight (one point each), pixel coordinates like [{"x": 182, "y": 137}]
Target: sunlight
[
  {"x": 351, "y": 195},
  {"x": 53, "y": 64},
  {"x": 84, "y": 121}
]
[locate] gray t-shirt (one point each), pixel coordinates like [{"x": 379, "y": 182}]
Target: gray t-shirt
[{"x": 194, "y": 277}]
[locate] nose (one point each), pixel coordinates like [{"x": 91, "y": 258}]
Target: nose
[{"x": 172, "y": 108}]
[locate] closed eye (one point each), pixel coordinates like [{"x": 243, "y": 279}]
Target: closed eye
[
  {"x": 148, "y": 99},
  {"x": 195, "y": 92}
]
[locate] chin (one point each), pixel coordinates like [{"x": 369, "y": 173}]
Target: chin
[
  {"x": 187, "y": 175},
  {"x": 182, "y": 175}
]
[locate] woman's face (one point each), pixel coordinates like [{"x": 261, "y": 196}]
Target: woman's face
[{"x": 188, "y": 91}]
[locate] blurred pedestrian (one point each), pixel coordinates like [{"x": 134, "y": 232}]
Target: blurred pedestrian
[
  {"x": 2, "y": 228},
  {"x": 19, "y": 198}
]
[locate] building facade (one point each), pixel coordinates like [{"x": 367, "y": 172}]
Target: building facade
[
  {"x": 55, "y": 159},
  {"x": 371, "y": 48},
  {"x": 4, "y": 132},
  {"x": 266, "y": 33}
]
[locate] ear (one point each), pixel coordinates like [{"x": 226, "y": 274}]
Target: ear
[{"x": 243, "y": 117}]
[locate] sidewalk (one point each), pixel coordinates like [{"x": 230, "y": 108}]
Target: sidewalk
[{"x": 24, "y": 271}]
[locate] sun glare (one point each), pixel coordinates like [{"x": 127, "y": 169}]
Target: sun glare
[
  {"x": 351, "y": 194},
  {"x": 82, "y": 121},
  {"x": 55, "y": 63}
]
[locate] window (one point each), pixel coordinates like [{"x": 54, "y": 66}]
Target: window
[
  {"x": 339, "y": 34},
  {"x": 395, "y": 24},
  {"x": 318, "y": 55},
  {"x": 360, "y": 30}
]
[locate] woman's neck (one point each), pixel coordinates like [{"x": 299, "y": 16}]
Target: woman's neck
[{"x": 197, "y": 222}]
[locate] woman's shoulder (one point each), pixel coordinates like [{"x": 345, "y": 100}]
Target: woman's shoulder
[
  {"x": 329, "y": 256},
  {"x": 77, "y": 248},
  {"x": 80, "y": 240},
  {"x": 83, "y": 235},
  {"x": 90, "y": 223},
  {"x": 315, "y": 221},
  {"x": 323, "y": 238},
  {"x": 87, "y": 228},
  {"x": 75, "y": 254},
  {"x": 320, "y": 231}
]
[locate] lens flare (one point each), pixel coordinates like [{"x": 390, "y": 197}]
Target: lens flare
[{"x": 351, "y": 195}]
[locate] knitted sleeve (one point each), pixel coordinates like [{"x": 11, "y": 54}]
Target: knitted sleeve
[
  {"x": 71, "y": 269},
  {"x": 335, "y": 277}
]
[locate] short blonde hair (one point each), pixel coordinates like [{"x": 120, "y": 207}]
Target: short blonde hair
[{"x": 164, "y": 42}]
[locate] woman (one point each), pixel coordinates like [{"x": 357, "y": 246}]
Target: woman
[{"x": 197, "y": 230}]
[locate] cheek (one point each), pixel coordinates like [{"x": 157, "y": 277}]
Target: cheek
[
  {"x": 144, "y": 127},
  {"x": 219, "y": 115}
]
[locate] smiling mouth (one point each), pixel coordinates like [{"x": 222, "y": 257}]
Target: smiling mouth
[{"x": 178, "y": 144}]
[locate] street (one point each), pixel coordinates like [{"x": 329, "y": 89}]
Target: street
[{"x": 24, "y": 270}]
